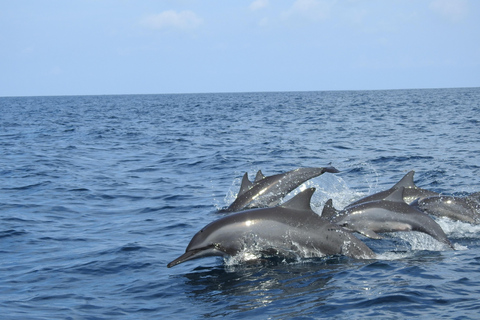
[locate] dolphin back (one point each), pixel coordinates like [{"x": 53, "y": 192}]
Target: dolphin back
[
  {"x": 455, "y": 208},
  {"x": 268, "y": 191},
  {"x": 391, "y": 215}
]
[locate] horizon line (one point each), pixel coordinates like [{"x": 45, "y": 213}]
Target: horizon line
[{"x": 226, "y": 92}]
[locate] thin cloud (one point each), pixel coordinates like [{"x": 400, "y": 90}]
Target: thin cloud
[
  {"x": 258, "y": 4},
  {"x": 453, "y": 10},
  {"x": 314, "y": 10},
  {"x": 171, "y": 19}
]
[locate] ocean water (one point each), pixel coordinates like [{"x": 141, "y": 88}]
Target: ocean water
[{"x": 99, "y": 193}]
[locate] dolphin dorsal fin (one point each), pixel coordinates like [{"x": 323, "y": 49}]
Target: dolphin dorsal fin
[
  {"x": 329, "y": 210},
  {"x": 259, "y": 176},
  {"x": 301, "y": 201},
  {"x": 406, "y": 181},
  {"x": 246, "y": 185},
  {"x": 396, "y": 195}
]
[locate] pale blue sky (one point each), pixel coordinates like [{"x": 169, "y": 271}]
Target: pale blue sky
[{"x": 78, "y": 47}]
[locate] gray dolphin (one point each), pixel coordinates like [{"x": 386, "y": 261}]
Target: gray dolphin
[
  {"x": 465, "y": 209},
  {"x": 411, "y": 191},
  {"x": 292, "y": 228},
  {"x": 268, "y": 191},
  {"x": 389, "y": 215},
  {"x": 475, "y": 197}
]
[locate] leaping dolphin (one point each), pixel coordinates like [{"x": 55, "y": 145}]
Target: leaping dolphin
[
  {"x": 292, "y": 228},
  {"x": 268, "y": 191},
  {"x": 388, "y": 215},
  {"x": 411, "y": 191},
  {"x": 465, "y": 209}
]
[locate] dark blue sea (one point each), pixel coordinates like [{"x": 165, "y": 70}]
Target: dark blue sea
[{"x": 99, "y": 193}]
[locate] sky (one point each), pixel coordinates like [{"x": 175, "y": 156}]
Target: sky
[{"x": 97, "y": 47}]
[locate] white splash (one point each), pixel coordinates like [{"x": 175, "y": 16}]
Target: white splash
[{"x": 458, "y": 229}]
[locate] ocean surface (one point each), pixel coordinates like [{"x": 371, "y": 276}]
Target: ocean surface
[{"x": 99, "y": 193}]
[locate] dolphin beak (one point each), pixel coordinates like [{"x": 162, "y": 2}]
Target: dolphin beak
[
  {"x": 184, "y": 257},
  {"x": 195, "y": 254},
  {"x": 331, "y": 169}
]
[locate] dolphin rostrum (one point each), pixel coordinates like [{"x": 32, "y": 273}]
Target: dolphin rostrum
[
  {"x": 411, "y": 191},
  {"x": 389, "y": 215},
  {"x": 290, "y": 229},
  {"x": 268, "y": 191},
  {"x": 465, "y": 209}
]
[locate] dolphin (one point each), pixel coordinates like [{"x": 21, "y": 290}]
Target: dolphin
[
  {"x": 465, "y": 209},
  {"x": 411, "y": 191},
  {"x": 268, "y": 191},
  {"x": 389, "y": 215},
  {"x": 475, "y": 197},
  {"x": 290, "y": 229}
]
